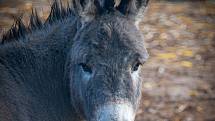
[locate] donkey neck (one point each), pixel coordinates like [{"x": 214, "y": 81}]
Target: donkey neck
[
  {"x": 46, "y": 48},
  {"x": 36, "y": 65}
]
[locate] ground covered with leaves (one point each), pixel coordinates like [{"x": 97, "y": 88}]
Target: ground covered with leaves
[{"x": 179, "y": 77}]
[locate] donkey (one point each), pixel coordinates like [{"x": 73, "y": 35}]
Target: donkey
[{"x": 82, "y": 63}]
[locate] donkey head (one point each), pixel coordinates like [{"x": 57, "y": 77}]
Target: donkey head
[{"x": 106, "y": 58}]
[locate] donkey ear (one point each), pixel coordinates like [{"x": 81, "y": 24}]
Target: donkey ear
[
  {"x": 89, "y": 9},
  {"x": 141, "y": 6},
  {"x": 134, "y": 9},
  {"x": 85, "y": 9},
  {"x": 93, "y": 8}
]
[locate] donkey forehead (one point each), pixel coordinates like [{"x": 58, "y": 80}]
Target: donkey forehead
[
  {"x": 110, "y": 36},
  {"x": 119, "y": 37}
]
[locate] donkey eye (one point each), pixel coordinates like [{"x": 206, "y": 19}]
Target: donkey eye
[
  {"x": 86, "y": 68},
  {"x": 136, "y": 66}
]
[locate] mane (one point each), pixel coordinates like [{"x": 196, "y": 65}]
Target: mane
[{"x": 19, "y": 30}]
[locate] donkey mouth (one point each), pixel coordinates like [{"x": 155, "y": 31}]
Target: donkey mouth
[{"x": 115, "y": 112}]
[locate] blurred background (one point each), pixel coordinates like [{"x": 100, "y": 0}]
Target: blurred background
[{"x": 179, "y": 78}]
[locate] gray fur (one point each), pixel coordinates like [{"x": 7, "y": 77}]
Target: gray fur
[{"x": 69, "y": 67}]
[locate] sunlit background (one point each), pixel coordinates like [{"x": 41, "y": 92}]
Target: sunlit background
[{"x": 179, "y": 78}]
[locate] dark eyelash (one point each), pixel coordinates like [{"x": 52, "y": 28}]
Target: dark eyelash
[
  {"x": 136, "y": 66},
  {"x": 86, "y": 68}
]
